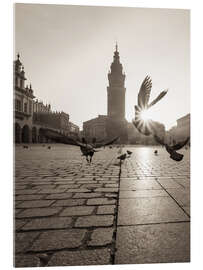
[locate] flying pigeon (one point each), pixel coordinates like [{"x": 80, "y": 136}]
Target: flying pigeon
[
  {"x": 172, "y": 149},
  {"x": 146, "y": 128},
  {"x": 87, "y": 149}
]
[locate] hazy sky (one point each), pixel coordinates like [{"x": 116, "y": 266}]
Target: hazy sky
[{"x": 67, "y": 52}]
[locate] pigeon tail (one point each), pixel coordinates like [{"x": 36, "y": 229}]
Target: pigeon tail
[{"x": 176, "y": 156}]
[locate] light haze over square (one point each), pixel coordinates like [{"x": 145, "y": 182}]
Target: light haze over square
[{"x": 67, "y": 52}]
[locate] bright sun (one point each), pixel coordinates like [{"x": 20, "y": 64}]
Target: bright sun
[{"x": 145, "y": 115}]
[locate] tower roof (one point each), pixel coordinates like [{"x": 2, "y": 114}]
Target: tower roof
[{"x": 116, "y": 57}]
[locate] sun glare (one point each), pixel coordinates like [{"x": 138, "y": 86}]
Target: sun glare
[{"x": 145, "y": 115}]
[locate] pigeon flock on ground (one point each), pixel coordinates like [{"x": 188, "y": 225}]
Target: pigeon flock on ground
[{"x": 146, "y": 128}]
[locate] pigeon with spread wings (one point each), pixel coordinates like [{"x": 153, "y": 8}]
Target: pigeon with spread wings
[
  {"x": 147, "y": 128},
  {"x": 172, "y": 149},
  {"x": 87, "y": 149}
]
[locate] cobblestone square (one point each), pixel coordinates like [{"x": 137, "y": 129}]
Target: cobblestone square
[{"x": 71, "y": 213}]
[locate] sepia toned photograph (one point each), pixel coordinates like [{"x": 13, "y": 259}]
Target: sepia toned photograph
[{"x": 101, "y": 117}]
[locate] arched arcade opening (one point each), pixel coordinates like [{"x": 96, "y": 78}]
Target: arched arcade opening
[
  {"x": 25, "y": 134},
  {"x": 17, "y": 133}
]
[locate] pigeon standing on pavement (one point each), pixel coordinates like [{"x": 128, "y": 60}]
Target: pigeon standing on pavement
[
  {"x": 25, "y": 146},
  {"x": 172, "y": 149},
  {"x": 122, "y": 157},
  {"x": 156, "y": 152},
  {"x": 129, "y": 152}
]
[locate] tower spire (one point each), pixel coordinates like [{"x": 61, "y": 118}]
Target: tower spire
[{"x": 116, "y": 46}]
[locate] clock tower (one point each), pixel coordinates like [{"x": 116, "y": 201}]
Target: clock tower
[
  {"x": 116, "y": 89},
  {"x": 116, "y": 124}
]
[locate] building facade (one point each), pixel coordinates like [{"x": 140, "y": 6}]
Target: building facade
[
  {"x": 181, "y": 131},
  {"x": 23, "y": 102},
  {"x": 95, "y": 128},
  {"x": 32, "y": 116}
]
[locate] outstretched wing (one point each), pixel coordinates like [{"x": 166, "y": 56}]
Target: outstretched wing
[
  {"x": 159, "y": 140},
  {"x": 100, "y": 144},
  {"x": 180, "y": 144},
  {"x": 144, "y": 93},
  {"x": 160, "y": 96},
  {"x": 141, "y": 127},
  {"x": 59, "y": 138}
]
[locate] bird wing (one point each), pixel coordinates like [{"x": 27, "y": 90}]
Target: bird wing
[
  {"x": 142, "y": 127},
  {"x": 59, "y": 138},
  {"x": 159, "y": 140},
  {"x": 144, "y": 93},
  {"x": 160, "y": 96},
  {"x": 97, "y": 145},
  {"x": 180, "y": 144},
  {"x": 170, "y": 150}
]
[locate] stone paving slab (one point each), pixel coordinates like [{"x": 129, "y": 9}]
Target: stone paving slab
[
  {"x": 69, "y": 202},
  {"x": 59, "y": 196},
  {"x": 18, "y": 223},
  {"x": 187, "y": 209},
  {"x": 182, "y": 196},
  {"x": 48, "y": 223},
  {"x": 129, "y": 184},
  {"x": 24, "y": 240},
  {"x": 149, "y": 210},
  {"x": 126, "y": 194},
  {"x": 169, "y": 183},
  {"x": 100, "y": 201},
  {"x": 106, "y": 209},
  {"x": 39, "y": 212},
  {"x": 87, "y": 195},
  {"x": 95, "y": 221},
  {"x": 82, "y": 257},
  {"x": 153, "y": 243},
  {"x": 101, "y": 237},
  {"x": 60, "y": 239},
  {"x": 185, "y": 182},
  {"x": 28, "y": 197},
  {"x": 35, "y": 204},
  {"x": 27, "y": 261},
  {"x": 77, "y": 211}
]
